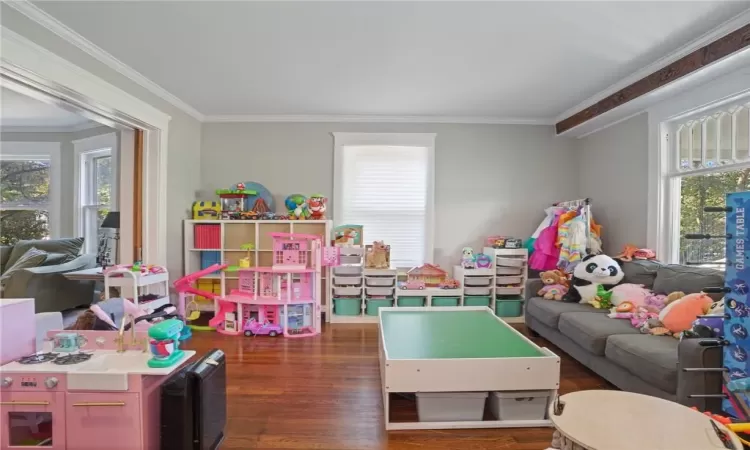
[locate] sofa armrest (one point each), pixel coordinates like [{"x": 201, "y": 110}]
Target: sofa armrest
[
  {"x": 532, "y": 287},
  {"x": 691, "y": 355},
  {"x": 49, "y": 288}
]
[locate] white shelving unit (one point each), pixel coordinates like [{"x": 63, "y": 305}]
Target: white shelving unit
[
  {"x": 511, "y": 270},
  {"x": 235, "y": 233},
  {"x": 352, "y": 282}
]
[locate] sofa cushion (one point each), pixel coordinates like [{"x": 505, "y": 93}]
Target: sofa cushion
[
  {"x": 69, "y": 246},
  {"x": 687, "y": 279},
  {"x": 5, "y": 251},
  {"x": 548, "y": 311},
  {"x": 640, "y": 272},
  {"x": 54, "y": 259},
  {"x": 32, "y": 258},
  {"x": 591, "y": 330},
  {"x": 651, "y": 358}
]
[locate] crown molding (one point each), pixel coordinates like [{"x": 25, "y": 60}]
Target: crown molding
[
  {"x": 310, "y": 118},
  {"x": 727, "y": 27},
  {"x": 41, "y": 17},
  {"x": 42, "y": 129}
]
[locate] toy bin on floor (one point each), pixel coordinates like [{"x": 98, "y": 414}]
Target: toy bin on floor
[
  {"x": 347, "y": 306},
  {"x": 444, "y": 301},
  {"x": 508, "y": 307},
  {"x": 410, "y": 301},
  {"x": 373, "y": 305},
  {"x": 519, "y": 405},
  {"x": 450, "y": 406},
  {"x": 477, "y": 300}
]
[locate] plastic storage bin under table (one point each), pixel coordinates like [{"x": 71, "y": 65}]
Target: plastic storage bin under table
[
  {"x": 519, "y": 405},
  {"x": 477, "y": 290},
  {"x": 508, "y": 271},
  {"x": 450, "y": 406},
  {"x": 508, "y": 280},
  {"x": 347, "y": 306},
  {"x": 387, "y": 291},
  {"x": 477, "y": 281},
  {"x": 380, "y": 281},
  {"x": 347, "y": 270},
  {"x": 508, "y": 308},
  {"x": 515, "y": 290},
  {"x": 509, "y": 262},
  {"x": 348, "y": 291}
]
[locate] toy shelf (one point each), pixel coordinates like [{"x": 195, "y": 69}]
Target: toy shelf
[
  {"x": 133, "y": 284},
  {"x": 215, "y": 241}
]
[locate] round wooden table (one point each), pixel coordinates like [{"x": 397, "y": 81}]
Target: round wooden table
[{"x": 616, "y": 420}]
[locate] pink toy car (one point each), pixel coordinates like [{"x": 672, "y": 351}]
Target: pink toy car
[
  {"x": 413, "y": 285},
  {"x": 253, "y": 327},
  {"x": 450, "y": 284}
]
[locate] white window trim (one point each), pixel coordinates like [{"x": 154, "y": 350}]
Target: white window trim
[
  {"x": 663, "y": 206},
  {"x": 20, "y": 151},
  {"x": 341, "y": 140},
  {"x": 85, "y": 149}
]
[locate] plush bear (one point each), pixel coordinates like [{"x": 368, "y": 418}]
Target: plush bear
[{"x": 555, "y": 285}]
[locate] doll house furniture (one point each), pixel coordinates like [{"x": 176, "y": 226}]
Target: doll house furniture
[
  {"x": 287, "y": 293},
  {"x": 430, "y": 274}
]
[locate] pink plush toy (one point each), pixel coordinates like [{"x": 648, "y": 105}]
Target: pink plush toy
[
  {"x": 629, "y": 292},
  {"x": 638, "y": 316}
]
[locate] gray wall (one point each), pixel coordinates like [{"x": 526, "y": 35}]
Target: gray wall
[
  {"x": 489, "y": 178},
  {"x": 67, "y": 166},
  {"x": 183, "y": 155},
  {"x": 613, "y": 172}
]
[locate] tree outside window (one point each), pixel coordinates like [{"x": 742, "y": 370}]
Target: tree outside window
[{"x": 24, "y": 200}]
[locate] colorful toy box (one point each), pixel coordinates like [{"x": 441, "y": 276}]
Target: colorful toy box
[{"x": 206, "y": 210}]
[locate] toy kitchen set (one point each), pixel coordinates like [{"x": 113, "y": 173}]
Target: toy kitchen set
[{"x": 129, "y": 389}]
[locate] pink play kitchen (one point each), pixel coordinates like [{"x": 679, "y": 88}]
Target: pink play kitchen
[{"x": 90, "y": 390}]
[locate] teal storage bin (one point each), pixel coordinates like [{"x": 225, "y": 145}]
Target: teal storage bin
[
  {"x": 508, "y": 308},
  {"x": 444, "y": 301},
  {"x": 411, "y": 301},
  {"x": 373, "y": 305},
  {"x": 347, "y": 306},
  {"x": 477, "y": 300}
]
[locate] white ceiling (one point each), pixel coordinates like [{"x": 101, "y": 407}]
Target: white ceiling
[
  {"x": 20, "y": 111},
  {"x": 515, "y": 60}
]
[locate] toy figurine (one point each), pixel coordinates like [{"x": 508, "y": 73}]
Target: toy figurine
[
  {"x": 296, "y": 204},
  {"x": 468, "y": 260},
  {"x": 378, "y": 256},
  {"x": 317, "y": 206}
]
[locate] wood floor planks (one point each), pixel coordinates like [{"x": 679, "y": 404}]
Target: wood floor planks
[{"x": 324, "y": 393}]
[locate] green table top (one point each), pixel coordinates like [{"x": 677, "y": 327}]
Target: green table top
[{"x": 451, "y": 334}]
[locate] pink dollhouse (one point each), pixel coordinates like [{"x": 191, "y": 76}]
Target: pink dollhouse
[{"x": 286, "y": 294}]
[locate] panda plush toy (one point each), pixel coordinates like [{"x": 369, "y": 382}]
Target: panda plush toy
[{"x": 592, "y": 271}]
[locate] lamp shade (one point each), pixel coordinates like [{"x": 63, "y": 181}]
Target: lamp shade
[{"x": 112, "y": 220}]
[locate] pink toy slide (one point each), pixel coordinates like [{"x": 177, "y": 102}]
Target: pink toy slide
[{"x": 224, "y": 307}]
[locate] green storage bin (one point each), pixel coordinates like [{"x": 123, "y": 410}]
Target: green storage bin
[
  {"x": 411, "y": 301},
  {"x": 477, "y": 300},
  {"x": 508, "y": 308},
  {"x": 347, "y": 306},
  {"x": 373, "y": 305},
  {"x": 445, "y": 301}
]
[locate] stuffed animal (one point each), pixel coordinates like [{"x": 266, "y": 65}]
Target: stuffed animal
[
  {"x": 603, "y": 298},
  {"x": 591, "y": 272},
  {"x": 633, "y": 293},
  {"x": 708, "y": 327},
  {"x": 377, "y": 256},
  {"x": 468, "y": 260},
  {"x": 679, "y": 315},
  {"x": 317, "y": 207},
  {"x": 638, "y": 316},
  {"x": 555, "y": 285}
]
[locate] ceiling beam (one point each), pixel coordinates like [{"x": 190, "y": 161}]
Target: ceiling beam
[{"x": 702, "y": 57}]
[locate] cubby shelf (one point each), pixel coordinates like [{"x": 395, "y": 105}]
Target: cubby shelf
[{"x": 235, "y": 233}]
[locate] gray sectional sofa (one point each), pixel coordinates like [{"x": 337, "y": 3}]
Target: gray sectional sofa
[{"x": 619, "y": 353}]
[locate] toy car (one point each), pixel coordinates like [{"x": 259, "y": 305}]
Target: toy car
[
  {"x": 267, "y": 216},
  {"x": 450, "y": 284},
  {"x": 412, "y": 285},
  {"x": 253, "y": 328}
]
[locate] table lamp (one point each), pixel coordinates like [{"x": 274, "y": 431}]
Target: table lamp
[{"x": 109, "y": 237}]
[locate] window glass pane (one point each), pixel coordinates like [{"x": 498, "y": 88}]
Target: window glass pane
[
  {"x": 742, "y": 132},
  {"x": 696, "y": 193},
  {"x": 24, "y": 182},
  {"x": 683, "y": 136},
  {"x": 712, "y": 156},
  {"x": 696, "y": 137},
  {"x": 16, "y": 225},
  {"x": 384, "y": 188},
  {"x": 103, "y": 179},
  {"x": 725, "y": 138}
]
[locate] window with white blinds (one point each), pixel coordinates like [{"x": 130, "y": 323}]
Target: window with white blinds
[{"x": 384, "y": 182}]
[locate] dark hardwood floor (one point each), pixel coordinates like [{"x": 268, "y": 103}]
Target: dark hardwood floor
[{"x": 324, "y": 393}]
